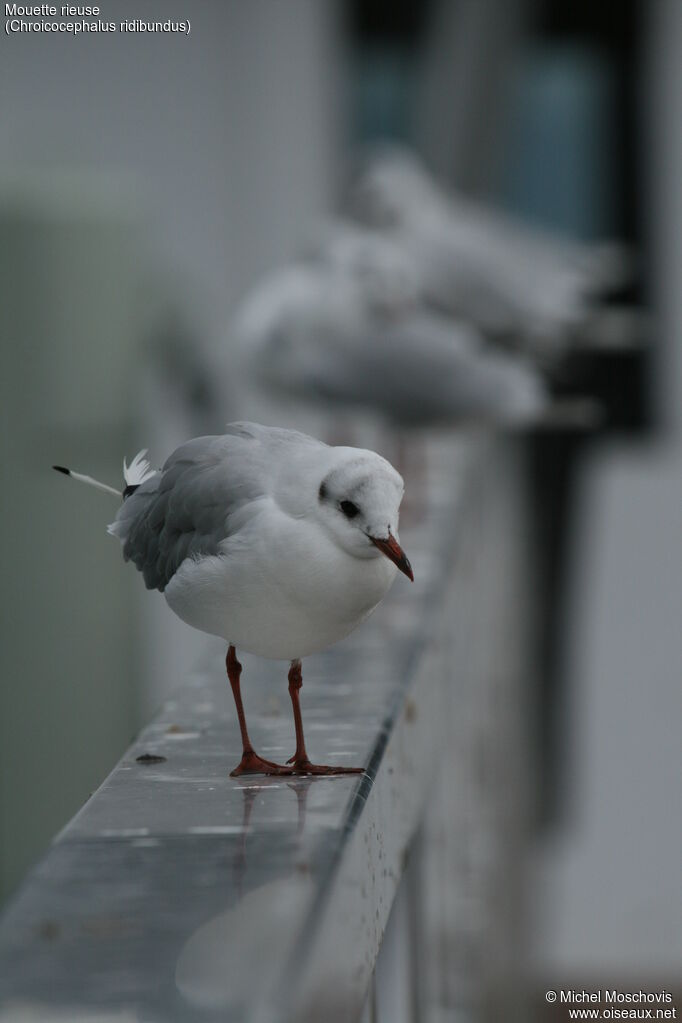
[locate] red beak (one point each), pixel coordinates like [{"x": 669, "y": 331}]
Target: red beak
[{"x": 394, "y": 552}]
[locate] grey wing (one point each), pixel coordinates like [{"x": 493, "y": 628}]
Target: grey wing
[{"x": 184, "y": 510}]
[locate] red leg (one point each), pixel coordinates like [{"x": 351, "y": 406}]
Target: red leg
[
  {"x": 300, "y": 760},
  {"x": 250, "y": 763}
]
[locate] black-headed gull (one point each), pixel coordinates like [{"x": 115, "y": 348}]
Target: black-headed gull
[
  {"x": 270, "y": 539},
  {"x": 315, "y": 330},
  {"x": 533, "y": 289},
  {"x": 386, "y": 275}
]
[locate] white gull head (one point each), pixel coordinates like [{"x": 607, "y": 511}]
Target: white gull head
[{"x": 359, "y": 505}]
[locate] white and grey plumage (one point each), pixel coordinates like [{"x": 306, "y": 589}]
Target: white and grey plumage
[
  {"x": 315, "y": 330},
  {"x": 385, "y": 274},
  {"x": 233, "y": 530},
  {"x": 531, "y": 288},
  {"x": 268, "y": 538}
]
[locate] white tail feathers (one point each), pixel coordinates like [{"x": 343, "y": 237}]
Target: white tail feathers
[
  {"x": 138, "y": 471},
  {"x": 134, "y": 474}
]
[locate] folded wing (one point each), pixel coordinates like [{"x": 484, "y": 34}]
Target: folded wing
[{"x": 185, "y": 510}]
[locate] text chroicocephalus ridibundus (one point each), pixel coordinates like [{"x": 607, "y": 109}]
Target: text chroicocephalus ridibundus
[{"x": 270, "y": 539}]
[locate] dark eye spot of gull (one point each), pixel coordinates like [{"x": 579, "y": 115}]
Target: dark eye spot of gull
[{"x": 349, "y": 509}]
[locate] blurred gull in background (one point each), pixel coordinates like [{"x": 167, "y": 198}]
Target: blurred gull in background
[
  {"x": 385, "y": 271},
  {"x": 424, "y": 309},
  {"x": 346, "y": 327},
  {"x": 529, "y": 289},
  {"x": 434, "y": 311}
]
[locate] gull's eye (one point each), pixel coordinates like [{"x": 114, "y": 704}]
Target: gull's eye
[{"x": 349, "y": 509}]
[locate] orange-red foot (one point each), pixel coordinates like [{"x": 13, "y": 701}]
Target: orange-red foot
[
  {"x": 303, "y": 766},
  {"x": 251, "y": 763}
]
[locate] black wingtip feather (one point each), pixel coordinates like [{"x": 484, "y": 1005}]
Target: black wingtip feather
[{"x": 61, "y": 468}]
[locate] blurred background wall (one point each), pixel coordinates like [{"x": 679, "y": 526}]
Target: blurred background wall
[
  {"x": 606, "y": 898},
  {"x": 146, "y": 182}
]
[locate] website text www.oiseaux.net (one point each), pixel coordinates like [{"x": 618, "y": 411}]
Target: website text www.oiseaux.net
[{"x": 616, "y": 1004}]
